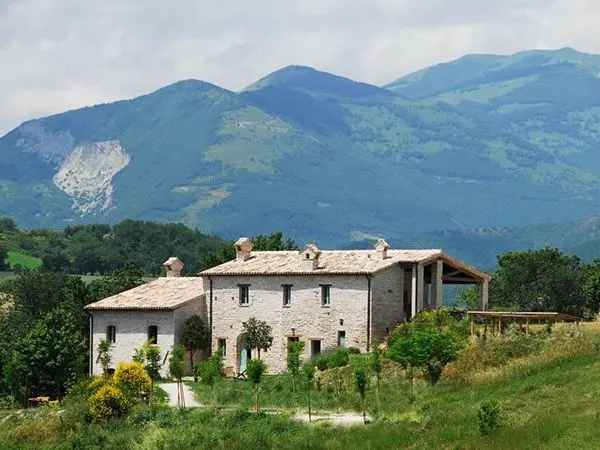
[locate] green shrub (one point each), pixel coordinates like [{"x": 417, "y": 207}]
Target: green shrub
[
  {"x": 489, "y": 416},
  {"x": 338, "y": 357},
  {"x": 210, "y": 370},
  {"x": 108, "y": 402},
  {"x": 354, "y": 350},
  {"x": 8, "y": 402}
]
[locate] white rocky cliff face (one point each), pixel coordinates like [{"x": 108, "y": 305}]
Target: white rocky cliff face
[{"x": 87, "y": 172}]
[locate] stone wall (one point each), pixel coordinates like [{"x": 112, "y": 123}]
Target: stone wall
[
  {"x": 387, "y": 307},
  {"x": 309, "y": 319},
  {"x": 131, "y": 333}
]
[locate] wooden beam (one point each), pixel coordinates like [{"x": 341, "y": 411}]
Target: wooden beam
[{"x": 460, "y": 279}]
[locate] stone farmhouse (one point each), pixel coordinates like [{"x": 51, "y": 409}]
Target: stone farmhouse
[
  {"x": 154, "y": 311},
  {"x": 327, "y": 298}
]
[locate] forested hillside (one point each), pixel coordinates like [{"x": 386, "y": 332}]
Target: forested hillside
[
  {"x": 485, "y": 141},
  {"x": 101, "y": 249}
]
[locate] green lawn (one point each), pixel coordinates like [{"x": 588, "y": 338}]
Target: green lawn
[{"x": 25, "y": 261}]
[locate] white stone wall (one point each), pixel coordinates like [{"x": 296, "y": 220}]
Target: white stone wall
[
  {"x": 386, "y": 301},
  {"x": 305, "y": 314},
  {"x": 131, "y": 333}
]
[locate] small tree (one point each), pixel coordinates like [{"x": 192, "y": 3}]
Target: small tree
[
  {"x": 104, "y": 356},
  {"x": 176, "y": 368},
  {"x": 376, "y": 366},
  {"x": 423, "y": 347},
  {"x": 361, "y": 382},
  {"x": 3, "y": 257},
  {"x": 295, "y": 349},
  {"x": 153, "y": 364},
  {"x": 308, "y": 371},
  {"x": 195, "y": 336},
  {"x": 255, "y": 370},
  {"x": 211, "y": 369},
  {"x": 257, "y": 335}
]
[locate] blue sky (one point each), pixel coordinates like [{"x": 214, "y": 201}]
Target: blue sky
[{"x": 63, "y": 54}]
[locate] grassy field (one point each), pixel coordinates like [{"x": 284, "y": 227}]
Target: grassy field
[
  {"x": 549, "y": 399},
  {"x": 25, "y": 261}
]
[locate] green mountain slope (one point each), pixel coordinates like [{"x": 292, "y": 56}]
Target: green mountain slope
[{"x": 485, "y": 141}]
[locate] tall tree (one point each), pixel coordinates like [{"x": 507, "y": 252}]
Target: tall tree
[
  {"x": 538, "y": 280},
  {"x": 257, "y": 334},
  {"x": 195, "y": 336},
  {"x": 51, "y": 354}
]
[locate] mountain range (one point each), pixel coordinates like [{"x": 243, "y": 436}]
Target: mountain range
[{"x": 489, "y": 148}]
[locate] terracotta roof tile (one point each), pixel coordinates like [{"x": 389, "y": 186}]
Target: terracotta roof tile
[
  {"x": 333, "y": 262},
  {"x": 161, "y": 294}
]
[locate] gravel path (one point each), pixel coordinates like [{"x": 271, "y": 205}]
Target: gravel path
[
  {"x": 340, "y": 420},
  {"x": 188, "y": 394}
]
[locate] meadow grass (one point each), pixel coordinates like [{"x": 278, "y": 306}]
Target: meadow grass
[
  {"x": 550, "y": 399},
  {"x": 26, "y": 261}
]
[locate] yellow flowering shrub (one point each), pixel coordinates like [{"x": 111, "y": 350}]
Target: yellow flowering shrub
[
  {"x": 133, "y": 377},
  {"x": 109, "y": 401}
]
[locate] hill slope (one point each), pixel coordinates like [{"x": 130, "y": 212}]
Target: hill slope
[{"x": 484, "y": 141}]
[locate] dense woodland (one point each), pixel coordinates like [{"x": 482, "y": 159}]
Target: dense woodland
[{"x": 100, "y": 249}]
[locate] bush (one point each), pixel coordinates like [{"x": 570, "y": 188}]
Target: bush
[
  {"x": 133, "y": 377},
  {"x": 108, "y": 402},
  {"x": 354, "y": 350},
  {"x": 489, "y": 416},
  {"x": 338, "y": 357},
  {"x": 210, "y": 370}
]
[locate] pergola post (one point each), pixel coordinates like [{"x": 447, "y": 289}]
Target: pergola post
[
  {"x": 420, "y": 286},
  {"x": 482, "y": 303},
  {"x": 437, "y": 287}
]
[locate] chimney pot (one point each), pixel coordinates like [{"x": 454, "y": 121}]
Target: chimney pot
[
  {"x": 382, "y": 247},
  {"x": 243, "y": 249},
  {"x": 173, "y": 266}
]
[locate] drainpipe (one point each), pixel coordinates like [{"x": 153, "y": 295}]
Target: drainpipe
[
  {"x": 91, "y": 344},
  {"x": 369, "y": 313},
  {"x": 210, "y": 315}
]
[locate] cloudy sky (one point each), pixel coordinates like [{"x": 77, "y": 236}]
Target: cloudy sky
[{"x": 61, "y": 54}]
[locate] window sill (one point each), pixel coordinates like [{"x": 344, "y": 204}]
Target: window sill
[
  {"x": 325, "y": 306},
  {"x": 245, "y": 305},
  {"x": 286, "y": 306}
]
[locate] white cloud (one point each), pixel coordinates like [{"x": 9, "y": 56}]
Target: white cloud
[{"x": 62, "y": 54}]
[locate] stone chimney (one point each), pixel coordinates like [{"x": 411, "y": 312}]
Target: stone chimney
[
  {"x": 309, "y": 257},
  {"x": 173, "y": 266},
  {"x": 243, "y": 249},
  {"x": 382, "y": 247}
]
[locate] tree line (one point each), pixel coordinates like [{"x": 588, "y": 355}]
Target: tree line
[{"x": 99, "y": 249}]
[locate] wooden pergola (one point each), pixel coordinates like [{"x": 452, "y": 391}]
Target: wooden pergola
[{"x": 521, "y": 316}]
